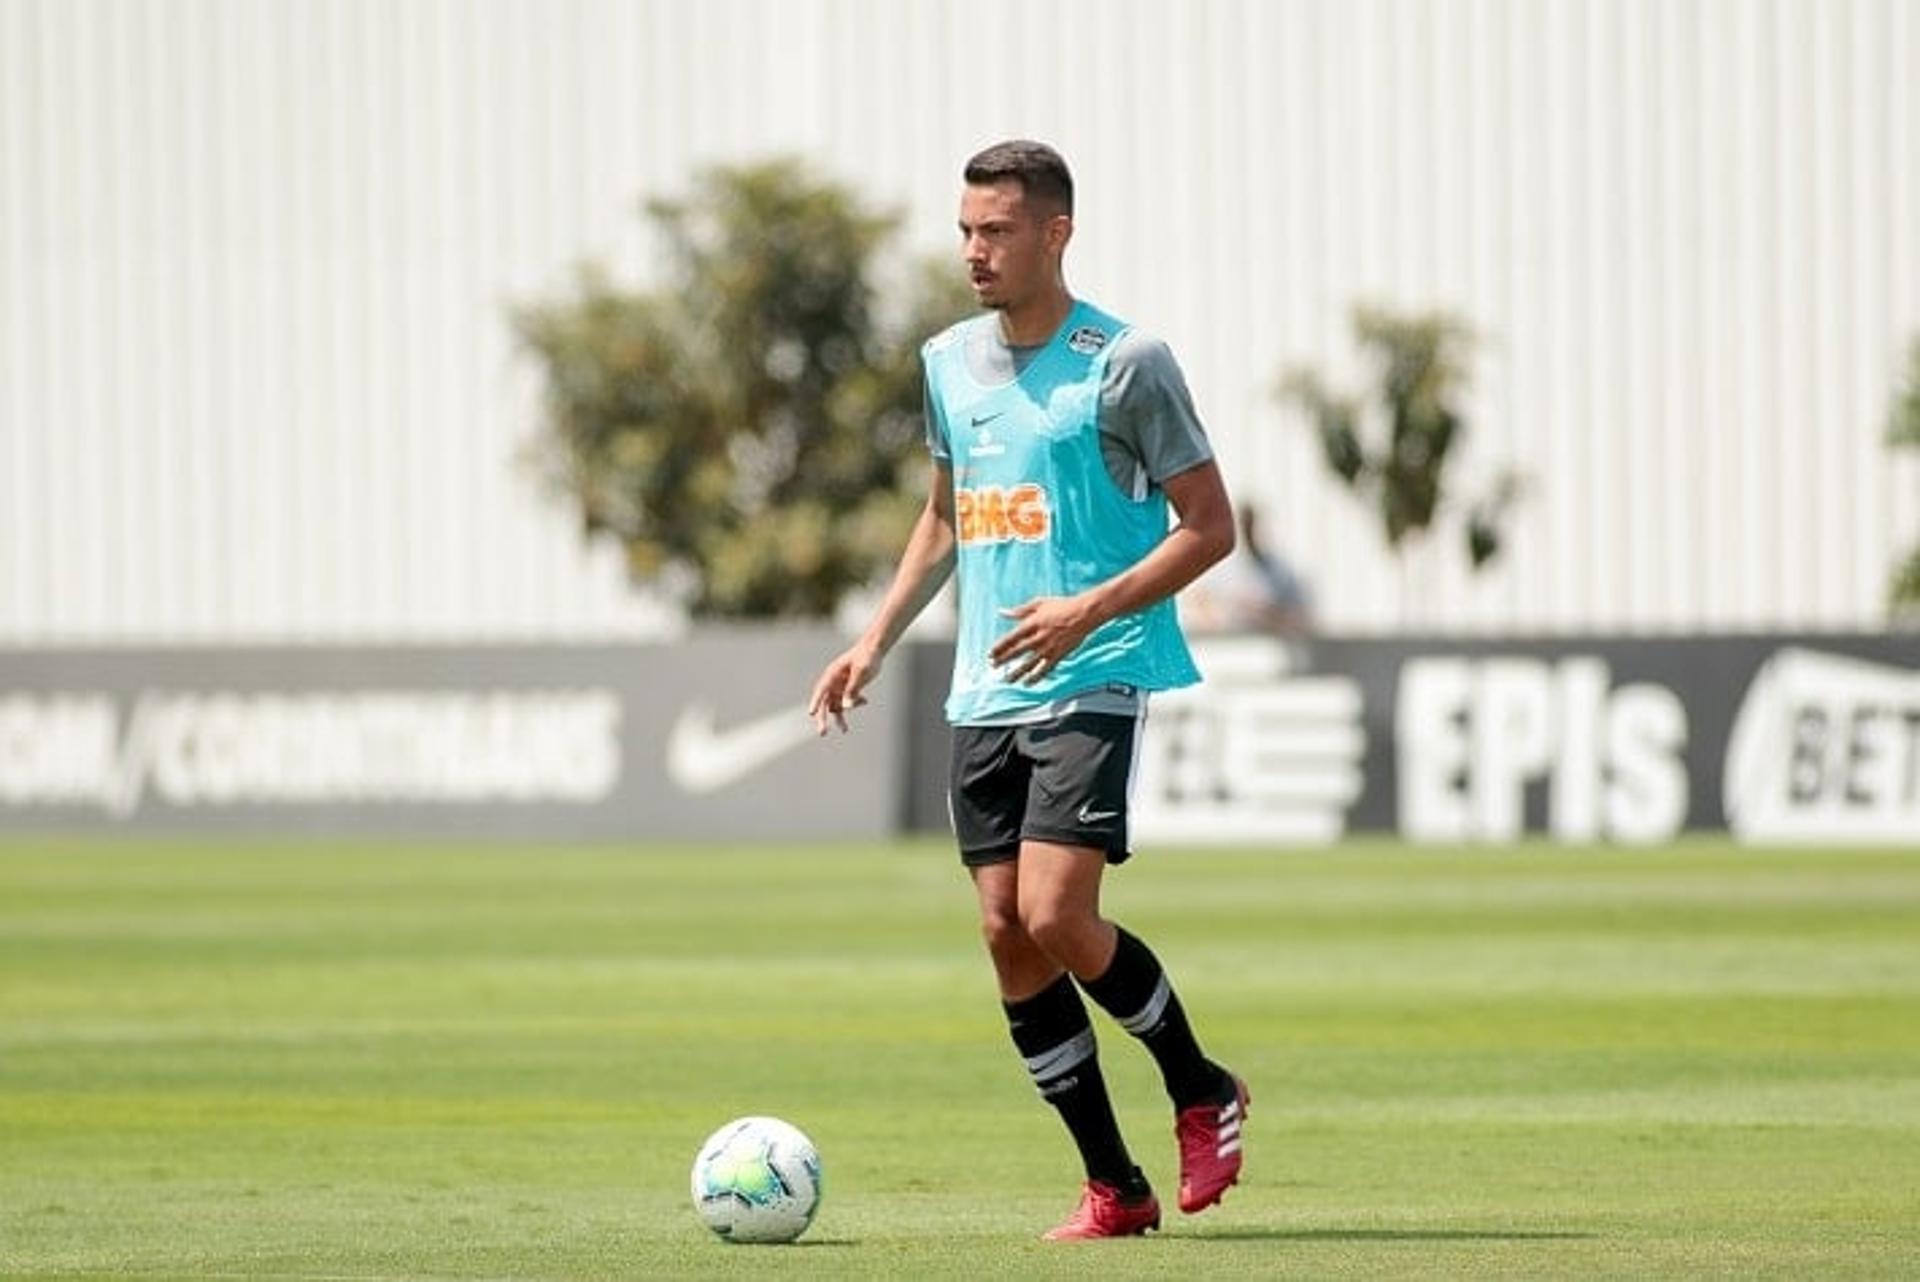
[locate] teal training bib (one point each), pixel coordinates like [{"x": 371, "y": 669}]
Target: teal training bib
[{"x": 1037, "y": 514}]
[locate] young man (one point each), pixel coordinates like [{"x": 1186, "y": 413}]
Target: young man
[{"x": 1059, "y": 437}]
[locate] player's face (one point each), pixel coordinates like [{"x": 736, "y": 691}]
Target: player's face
[{"x": 1012, "y": 251}]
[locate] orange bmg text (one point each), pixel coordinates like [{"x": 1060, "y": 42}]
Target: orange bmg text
[{"x": 991, "y": 514}]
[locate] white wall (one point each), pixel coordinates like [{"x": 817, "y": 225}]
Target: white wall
[{"x": 256, "y": 379}]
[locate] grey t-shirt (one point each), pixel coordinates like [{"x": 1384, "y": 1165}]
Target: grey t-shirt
[{"x": 1149, "y": 431}]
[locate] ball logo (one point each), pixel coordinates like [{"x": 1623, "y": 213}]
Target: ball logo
[{"x": 992, "y": 514}]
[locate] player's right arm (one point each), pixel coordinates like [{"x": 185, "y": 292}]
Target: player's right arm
[{"x": 924, "y": 568}]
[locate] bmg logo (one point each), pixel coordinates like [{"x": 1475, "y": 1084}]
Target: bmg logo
[{"x": 992, "y": 514}]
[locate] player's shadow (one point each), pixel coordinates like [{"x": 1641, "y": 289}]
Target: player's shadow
[{"x": 1396, "y": 1235}]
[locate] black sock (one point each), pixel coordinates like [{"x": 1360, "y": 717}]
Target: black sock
[
  {"x": 1135, "y": 991},
  {"x": 1053, "y": 1034}
]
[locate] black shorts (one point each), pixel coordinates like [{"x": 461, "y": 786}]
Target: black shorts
[{"x": 1064, "y": 781}]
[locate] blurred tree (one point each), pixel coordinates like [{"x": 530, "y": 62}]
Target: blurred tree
[
  {"x": 1903, "y": 432},
  {"x": 1392, "y": 451},
  {"x": 751, "y": 431}
]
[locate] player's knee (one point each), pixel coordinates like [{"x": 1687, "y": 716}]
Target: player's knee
[
  {"x": 1002, "y": 930},
  {"x": 1059, "y": 933}
]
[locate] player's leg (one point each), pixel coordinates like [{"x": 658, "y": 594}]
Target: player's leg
[
  {"x": 1209, "y": 1102},
  {"x": 1045, "y": 1014},
  {"x": 1083, "y": 766},
  {"x": 1134, "y": 988},
  {"x": 1055, "y": 1038},
  {"x": 1021, "y": 966},
  {"x": 1059, "y": 908}
]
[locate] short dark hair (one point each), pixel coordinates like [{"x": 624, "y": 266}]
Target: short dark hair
[{"x": 1038, "y": 168}]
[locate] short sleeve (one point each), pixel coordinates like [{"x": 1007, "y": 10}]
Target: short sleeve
[{"x": 1147, "y": 412}]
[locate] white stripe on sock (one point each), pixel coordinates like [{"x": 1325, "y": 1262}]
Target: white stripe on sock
[
  {"x": 1052, "y": 1063},
  {"x": 1147, "y": 1016}
]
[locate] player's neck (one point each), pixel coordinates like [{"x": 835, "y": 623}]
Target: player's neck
[{"x": 1036, "y": 320}]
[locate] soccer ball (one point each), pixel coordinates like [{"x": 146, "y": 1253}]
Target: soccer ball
[{"x": 757, "y": 1179}]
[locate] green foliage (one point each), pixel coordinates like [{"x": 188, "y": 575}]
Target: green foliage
[
  {"x": 1906, "y": 580},
  {"x": 1903, "y": 432},
  {"x": 1903, "y": 423},
  {"x": 1421, "y": 365},
  {"x": 750, "y": 431}
]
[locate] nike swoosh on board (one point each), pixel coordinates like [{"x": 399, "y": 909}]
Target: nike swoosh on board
[{"x": 703, "y": 759}]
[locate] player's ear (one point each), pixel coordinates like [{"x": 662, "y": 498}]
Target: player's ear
[{"x": 1059, "y": 232}]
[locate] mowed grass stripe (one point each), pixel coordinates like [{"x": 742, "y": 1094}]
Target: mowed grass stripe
[{"x": 294, "y": 1060}]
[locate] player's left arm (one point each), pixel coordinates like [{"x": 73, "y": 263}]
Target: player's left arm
[{"x": 1047, "y": 629}]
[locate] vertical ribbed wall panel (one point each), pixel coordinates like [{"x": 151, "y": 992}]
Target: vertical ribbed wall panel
[{"x": 257, "y": 380}]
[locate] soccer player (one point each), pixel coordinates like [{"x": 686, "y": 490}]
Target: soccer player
[{"x": 1060, "y": 436}]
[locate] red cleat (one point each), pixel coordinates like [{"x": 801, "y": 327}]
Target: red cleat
[
  {"x": 1103, "y": 1212},
  {"x": 1209, "y": 1136}
]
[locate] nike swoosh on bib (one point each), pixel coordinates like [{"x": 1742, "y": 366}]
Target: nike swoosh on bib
[{"x": 702, "y": 759}]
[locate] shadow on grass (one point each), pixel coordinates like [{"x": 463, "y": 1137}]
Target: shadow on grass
[{"x": 1395, "y": 1235}]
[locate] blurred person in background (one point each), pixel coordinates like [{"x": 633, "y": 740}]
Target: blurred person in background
[{"x": 1254, "y": 590}]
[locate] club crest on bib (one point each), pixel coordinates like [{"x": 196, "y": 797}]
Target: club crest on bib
[{"x": 1087, "y": 340}]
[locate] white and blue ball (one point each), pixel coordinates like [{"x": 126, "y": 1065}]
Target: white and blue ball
[{"x": 757, "y": 1179}]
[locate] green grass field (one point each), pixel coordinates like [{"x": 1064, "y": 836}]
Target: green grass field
[{"x": 293, "y": 1061}]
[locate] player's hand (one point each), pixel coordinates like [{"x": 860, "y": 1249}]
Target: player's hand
[
  {"x": 1045, "y": 631},
  {"x": 840, "y": 689}
]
